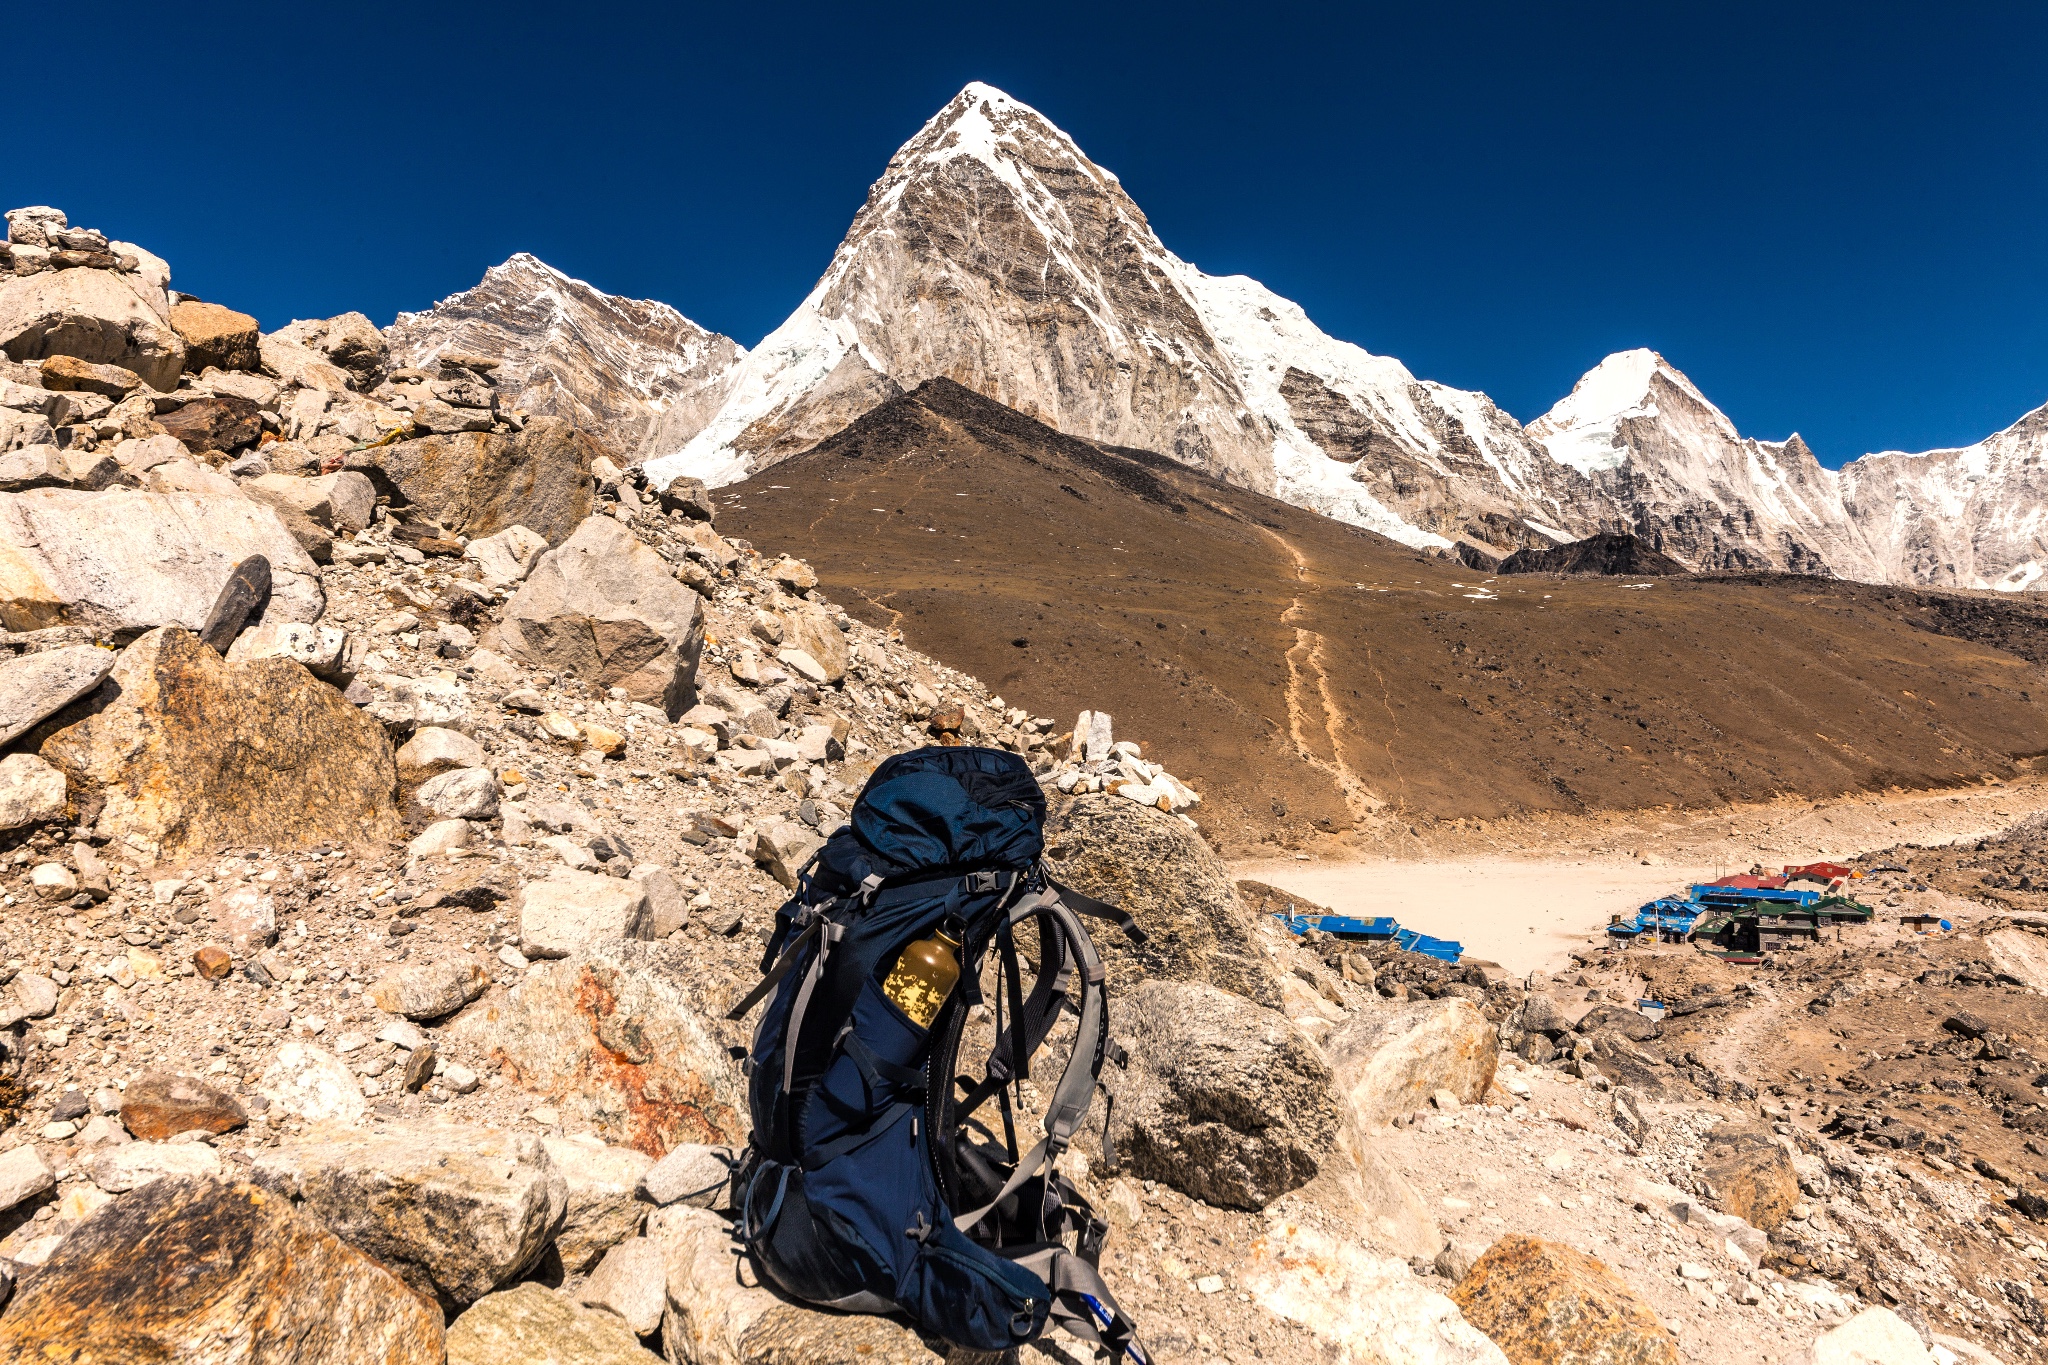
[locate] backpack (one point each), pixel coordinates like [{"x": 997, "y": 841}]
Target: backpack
[{"x": 868, "y": 1184}]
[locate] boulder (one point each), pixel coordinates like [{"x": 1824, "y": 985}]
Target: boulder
[
  {"x": 454, "y": 1209},
  {"x": 217, "y": 336},
  {"x": 311, "y": 1083},
  {"x": 532, "y": 1323},
  {"x": 692, "y": 1173},
  {"x": 35, "y": 686},
  {"x": 24, "y": 1174},
  {"x": 430, "y": 990},
  {"x": 132, "y": 1165},
  {"x": 31, "y": 791},
  {"x": 507, "y": 556},
  {"x": 1751, "y": 1175},
  {"x": 264, "y": 393},
  {"x": 1393, "y": 1061},
  {"x": 434, "y": 750},
  {"x": 404, "y": 704},
  {"x": 784, "y": 847},
  {"x": 205, "y": 1270},
  {"x": 69, "y": 374},
  {"x": 24, "y": 430},
  {"x": 125, "y": 560},
  {"x": 94, "y": 315},
  {"x": 221, "y": 422},
  {"x": 461, "y": 794},
  {"x": 45, "y": 466},
  {"x": 1358, "y": 1307},
  {"x": 197, "y": 752},
  {"x": 302, "y": 366},
  {"x": 808, "y": 627},
  {"x": 569, "y": 910},
  {"x": 604, "y": 1208},
  {"x": 715, "y": 1317},
  {"x": 162, "y": 1104},
  {"x": 138, "y": 458},
  {"x": 603, "y": 607},
  {"x": 1158, "y": 869},
  {"x": 1875, "y": 1336},
  {"x": 632, "y": 1282},
  {"x": 668, "y": 903},
  {"x": 478, "y": 483},
  {"x": 1544, "y": 1301},
  {"x": 626, "y": 1039},
  {"x": 349, "y": 341},
  {"x": 341, "y": 503},
  {"x": 324, "y": 651},
  {"x": 690, "y": 497},
  {"x": 1222, "y": 1099}
]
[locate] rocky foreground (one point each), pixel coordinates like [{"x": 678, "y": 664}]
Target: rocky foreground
[{"x": 397, "y": 792}]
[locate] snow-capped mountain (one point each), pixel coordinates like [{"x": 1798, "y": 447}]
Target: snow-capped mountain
[
  {"x": 1970, "y": 518},
  {"x": 632, "y": 371},
  {"x": 1675, "y": 469},
  {"x": 995, "y": 253}
]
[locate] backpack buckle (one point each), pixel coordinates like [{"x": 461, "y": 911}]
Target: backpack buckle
[{"x": 984, "y": 880}]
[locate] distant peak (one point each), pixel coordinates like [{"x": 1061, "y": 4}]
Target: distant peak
[{"x": 1618, "y": 384}]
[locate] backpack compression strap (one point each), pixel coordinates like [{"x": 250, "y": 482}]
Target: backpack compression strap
[
  {"x": 1076, "y": 1084},
  {"x": 1083, "y": 1306}
]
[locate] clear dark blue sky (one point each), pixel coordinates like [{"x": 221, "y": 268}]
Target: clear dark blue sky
[{"x": 1831, "y": 216}]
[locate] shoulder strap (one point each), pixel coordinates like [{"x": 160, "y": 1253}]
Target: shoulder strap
[{"x": 1076, "y": 1085}]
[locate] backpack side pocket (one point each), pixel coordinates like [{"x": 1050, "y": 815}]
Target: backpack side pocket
[{"x": 972, "y": 1297}]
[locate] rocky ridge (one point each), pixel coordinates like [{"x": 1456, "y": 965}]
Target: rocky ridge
[{"x": 636, "y": 374}]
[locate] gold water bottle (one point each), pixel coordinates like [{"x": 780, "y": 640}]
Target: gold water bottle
[{"x": 924, "y": 975}]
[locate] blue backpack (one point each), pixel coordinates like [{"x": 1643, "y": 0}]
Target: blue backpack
[{"x": 869, "y": 1184}]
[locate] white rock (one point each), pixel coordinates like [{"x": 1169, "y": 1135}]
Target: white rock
[
  {"x": 801, "y": 663},
  {"x": 691, "y": 1173},
  {"x": 461, "y": 794},
  {"x": 434, "y": 749},
  {"x": 95, "y": 315},
  {"x": 323, "y": 650},
  {"x": 400, "y": 1033},
  {"x": 31, "y": 791},
  {"x": 632, "y": 1282},
  {"x": 569, "y": 910},
  {"x": 443, "y": 836},
  {"x": 506, "y": 557},
  {"x": 53, "y": 881},
  {"x": 123, "y": 1168},
  {"x": 1875, "y": 1336},
  {"x": 1357, "y": 1306},
  {"x": 668, "y": 903},
  {"x": 33, "y": 686},
  {"x": 23, "y": 1175},
  {"x": 311, "y": 1083},
  {"x": 339, "y": 502},
  {"x": 128, "y": 560},
  {"x": 603, "y": 1211}
]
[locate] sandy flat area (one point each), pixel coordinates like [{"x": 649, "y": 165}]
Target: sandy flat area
[
  {"x": 1527, "y": 910},
  {"x": 1526, "y": 914}
]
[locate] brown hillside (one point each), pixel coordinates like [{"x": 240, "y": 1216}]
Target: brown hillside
[{"x": 1305, "y": 675}]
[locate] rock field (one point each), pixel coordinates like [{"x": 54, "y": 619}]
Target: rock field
[{"x": 371, "y": 910}]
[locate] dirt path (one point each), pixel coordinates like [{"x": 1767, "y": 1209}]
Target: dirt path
[{"x": 1525, "y": 894}]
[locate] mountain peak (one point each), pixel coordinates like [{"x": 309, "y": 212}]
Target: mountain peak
[{"x": 1581, "y": 430}]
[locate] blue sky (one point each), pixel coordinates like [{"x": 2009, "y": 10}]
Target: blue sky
[{"x": 1831, "y": 216}]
